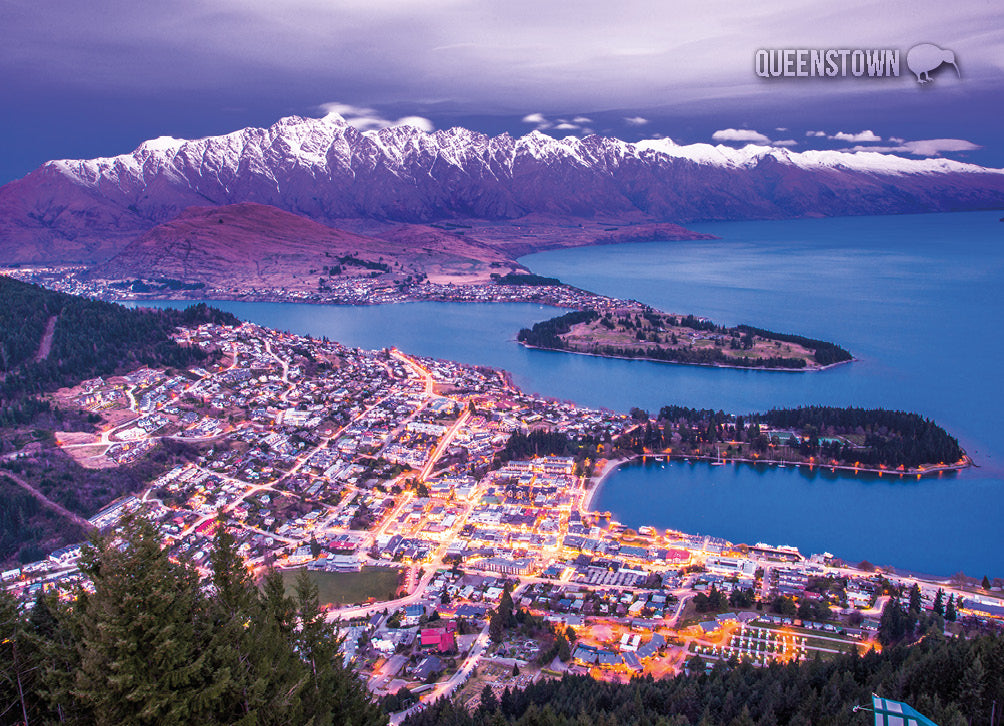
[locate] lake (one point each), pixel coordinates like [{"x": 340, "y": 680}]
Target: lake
[{"x": 917, "y": 298}]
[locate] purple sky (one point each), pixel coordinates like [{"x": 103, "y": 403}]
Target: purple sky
[{"x": 83, "y": 79}]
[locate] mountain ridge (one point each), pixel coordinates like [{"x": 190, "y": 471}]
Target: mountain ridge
[{"x": 325, "y": 169}]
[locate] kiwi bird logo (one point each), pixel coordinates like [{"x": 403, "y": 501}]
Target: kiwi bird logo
[{"x": 926, "y": 57}]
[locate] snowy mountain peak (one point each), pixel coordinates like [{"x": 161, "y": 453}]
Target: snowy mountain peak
[
  {"x": 313, "y": 140},
  {"x": 161, "y": 143},
  {"x": 328, "y": 170}
]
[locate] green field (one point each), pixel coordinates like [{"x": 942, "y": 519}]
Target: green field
[{"x": 340, "y": 588}]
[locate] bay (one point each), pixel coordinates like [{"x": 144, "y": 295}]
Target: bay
[{"x": 917, "y": 298}]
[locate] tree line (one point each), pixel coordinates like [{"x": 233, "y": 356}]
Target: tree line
[
  {"x": 698, "y": 356},
  {"x": 824, "y": 352},
  {"x": 91, "y": 338},
  {"x": 148, "y": 644},
  {"x": 955, "y": 682},
  {"x": 887, "y": 437},
  {"x": 546, "y": 334},
  {"x": 531, "y": 280}
]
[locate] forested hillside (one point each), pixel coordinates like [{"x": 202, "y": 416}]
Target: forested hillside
[
  {"x": 149, "y": 645},
  {"x": 952, "y": 681},
  {"x": 49, "y": 339}
]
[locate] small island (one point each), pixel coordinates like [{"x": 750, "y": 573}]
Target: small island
[{"x": 649, "y": 334}]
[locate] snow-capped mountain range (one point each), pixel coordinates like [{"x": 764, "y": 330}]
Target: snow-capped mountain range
[{"x": 329, "y": 171}]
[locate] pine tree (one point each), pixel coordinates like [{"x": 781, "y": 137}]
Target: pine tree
[
  {"x": 495, "y": 628},
  {"x": 332, "y": 694},
  {"x": 279, "y": 674},
  {"x": 893, "y": 623},
  {"x": 506, "y": 607},
  {"x": 915, "y": 599},
  {"x": 141, "y": 660},
  {"x": 16, "y": 666},
  {"x": 230, "y": 671},
  {"x": 53, "y": 638},
  {"x": 939, "y": 602},
  {"x": 973, "y": 687},
  {"x": 564, "y": 649},
  {"x": 950, "y": 614},
  {"x": 488, "y": 700}
]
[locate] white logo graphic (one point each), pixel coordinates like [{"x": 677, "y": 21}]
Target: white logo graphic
[{"x": 926, "y": 57}]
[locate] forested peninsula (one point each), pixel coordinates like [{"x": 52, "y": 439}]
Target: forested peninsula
[
  {"x": 649, "y": 334},
  {"x": 862, "y": 439}
]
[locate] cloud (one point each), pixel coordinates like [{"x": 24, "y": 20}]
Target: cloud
[
  {"x": 368, "y": 119},
  {"x": 815, "y": 133},
  {"x": 483, "y": 57},
  {"x": 539, "y": 121},
  {"x": 419, "y": 122},
  {"x": 924, "y": 147},
  {"x": 861, "y": 136},
  {"x": 635, "y": 120},
  {"x": 740, "y": 135},
  {"x": 784, "y": 142},
  {"x": 781, "y": 128},
  {"x": 934, "y": 147},
  {"x": 543, "y": 123}
]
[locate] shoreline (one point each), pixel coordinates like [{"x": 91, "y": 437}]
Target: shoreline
[
  {"x": 278, "y": 299},
  {"x": 807, "y": 369},
  {"x": 417, "y": 299},
  {"x": 562, "y": 296},
  {"x": 596, "y": 481},
  {"x": 599, "y": 479},
  {"x": 913, "y": 473}
]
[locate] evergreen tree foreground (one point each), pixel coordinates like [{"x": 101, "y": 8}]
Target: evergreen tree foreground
[{"x": 151, "y": 644}]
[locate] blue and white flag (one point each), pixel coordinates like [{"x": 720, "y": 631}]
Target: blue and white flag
[{"x": 896, "y": 713}]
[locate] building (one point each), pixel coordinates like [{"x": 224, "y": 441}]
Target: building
[{"x": 439, "y": 640}]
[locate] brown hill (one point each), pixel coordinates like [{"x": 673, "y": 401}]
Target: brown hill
[{"x": 256, "y": 245}]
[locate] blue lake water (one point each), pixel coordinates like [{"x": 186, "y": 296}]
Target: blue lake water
[{"x": 918, "y": 299}]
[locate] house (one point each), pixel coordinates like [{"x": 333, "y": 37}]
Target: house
[
  {"x": 471, "y": 611},
  {"x": 585, "y": 655},
  {"x": 429, "y": 665},
  {"x": 710, "y": 626},
  {"x": 412, "y": 613},
  {"x": 651, "y": 647},
  {"x": 439, "y": 640},
  {"x": 631, "y": 661},
  {"x": 608, "y": 658}
]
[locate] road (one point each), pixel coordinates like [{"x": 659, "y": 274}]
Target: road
[
  {"x": 445, "y": 689},
  {"x": 48, "y": 502},
  {"x": 45, "y": 346},
  {"x": 444, "y": 444}
]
